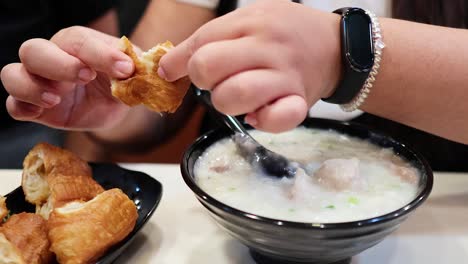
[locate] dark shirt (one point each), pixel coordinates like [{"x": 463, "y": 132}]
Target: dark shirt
[{"x": 21, "y": 20}]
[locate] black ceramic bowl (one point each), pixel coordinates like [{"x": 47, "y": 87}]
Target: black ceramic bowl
[{"x": 275, "y": 241}]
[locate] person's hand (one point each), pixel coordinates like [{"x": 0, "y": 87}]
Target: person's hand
[
  {"x": 271, "y": 60},
  {"x": 64, "y": 82}
]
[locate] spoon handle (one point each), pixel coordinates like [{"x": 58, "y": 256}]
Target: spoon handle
[{"x": 228, "y": 120}]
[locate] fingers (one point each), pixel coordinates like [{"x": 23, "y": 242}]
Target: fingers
[
  {"x": 45, "y": 59},
  {"x": 96, "y": 50},
  {"x": 25, "y": 87},
  {"x": 173, "y": 65},
  {"x": 250, "y": 90},
  {"x": 21, "y": 110},
  {"x": 282, "y": 115},
  {"x": 216, "y": 61},
  {"x": 272, "y": 99}
]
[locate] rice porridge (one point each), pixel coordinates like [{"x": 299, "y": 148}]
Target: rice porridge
[{"x": 347, "y": 178}]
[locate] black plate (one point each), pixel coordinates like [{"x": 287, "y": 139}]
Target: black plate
[{"x": 145, "y": 192}]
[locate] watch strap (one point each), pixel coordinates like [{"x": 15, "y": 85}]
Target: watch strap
[{"x": 353, "y": 78}]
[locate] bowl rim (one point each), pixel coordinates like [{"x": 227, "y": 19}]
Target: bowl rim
[{"x": 408, "y": 207}]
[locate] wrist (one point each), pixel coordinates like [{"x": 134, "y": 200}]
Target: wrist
[
  {"x": 136, "y": 132},
  {"x": 118, "y": 144},
  {"x": 335, "y": 57},
  {"x": 361, "y": 49}
]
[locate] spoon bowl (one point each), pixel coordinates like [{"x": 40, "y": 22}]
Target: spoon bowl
[{"x": 269, "y": 162}]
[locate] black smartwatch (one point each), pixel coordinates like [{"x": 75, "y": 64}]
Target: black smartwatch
[{"x": 357, "y": 52}]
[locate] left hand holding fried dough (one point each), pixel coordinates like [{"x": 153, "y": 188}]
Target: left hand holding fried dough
[
  {"x": 65, "y": 82},
  {"x": 254, "y": 64}
]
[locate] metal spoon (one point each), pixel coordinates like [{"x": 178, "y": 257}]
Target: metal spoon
[{"x": 271, "y": 163}]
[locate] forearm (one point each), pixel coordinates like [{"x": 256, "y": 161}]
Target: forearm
[
  {"x": 169, "y": 20},
  {"x": 138, "y": 132},
  {"x": 107, "y": 23},
  {"x": 142, "y": 129},
  {"x": 423, "y": 79}
]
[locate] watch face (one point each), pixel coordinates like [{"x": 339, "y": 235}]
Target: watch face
[{"x": 359, "y": 45}]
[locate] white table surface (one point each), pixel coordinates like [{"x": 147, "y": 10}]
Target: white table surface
[{"x": 181, "y": 231}]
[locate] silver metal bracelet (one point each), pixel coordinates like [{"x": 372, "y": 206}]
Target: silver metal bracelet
[{"x": 379, "y": 45}]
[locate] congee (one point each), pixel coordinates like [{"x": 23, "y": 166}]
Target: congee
[{"x": 345, "y": 178}]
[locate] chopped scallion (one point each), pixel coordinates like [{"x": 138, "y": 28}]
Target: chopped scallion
[{"x": 353, "y": 200}]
